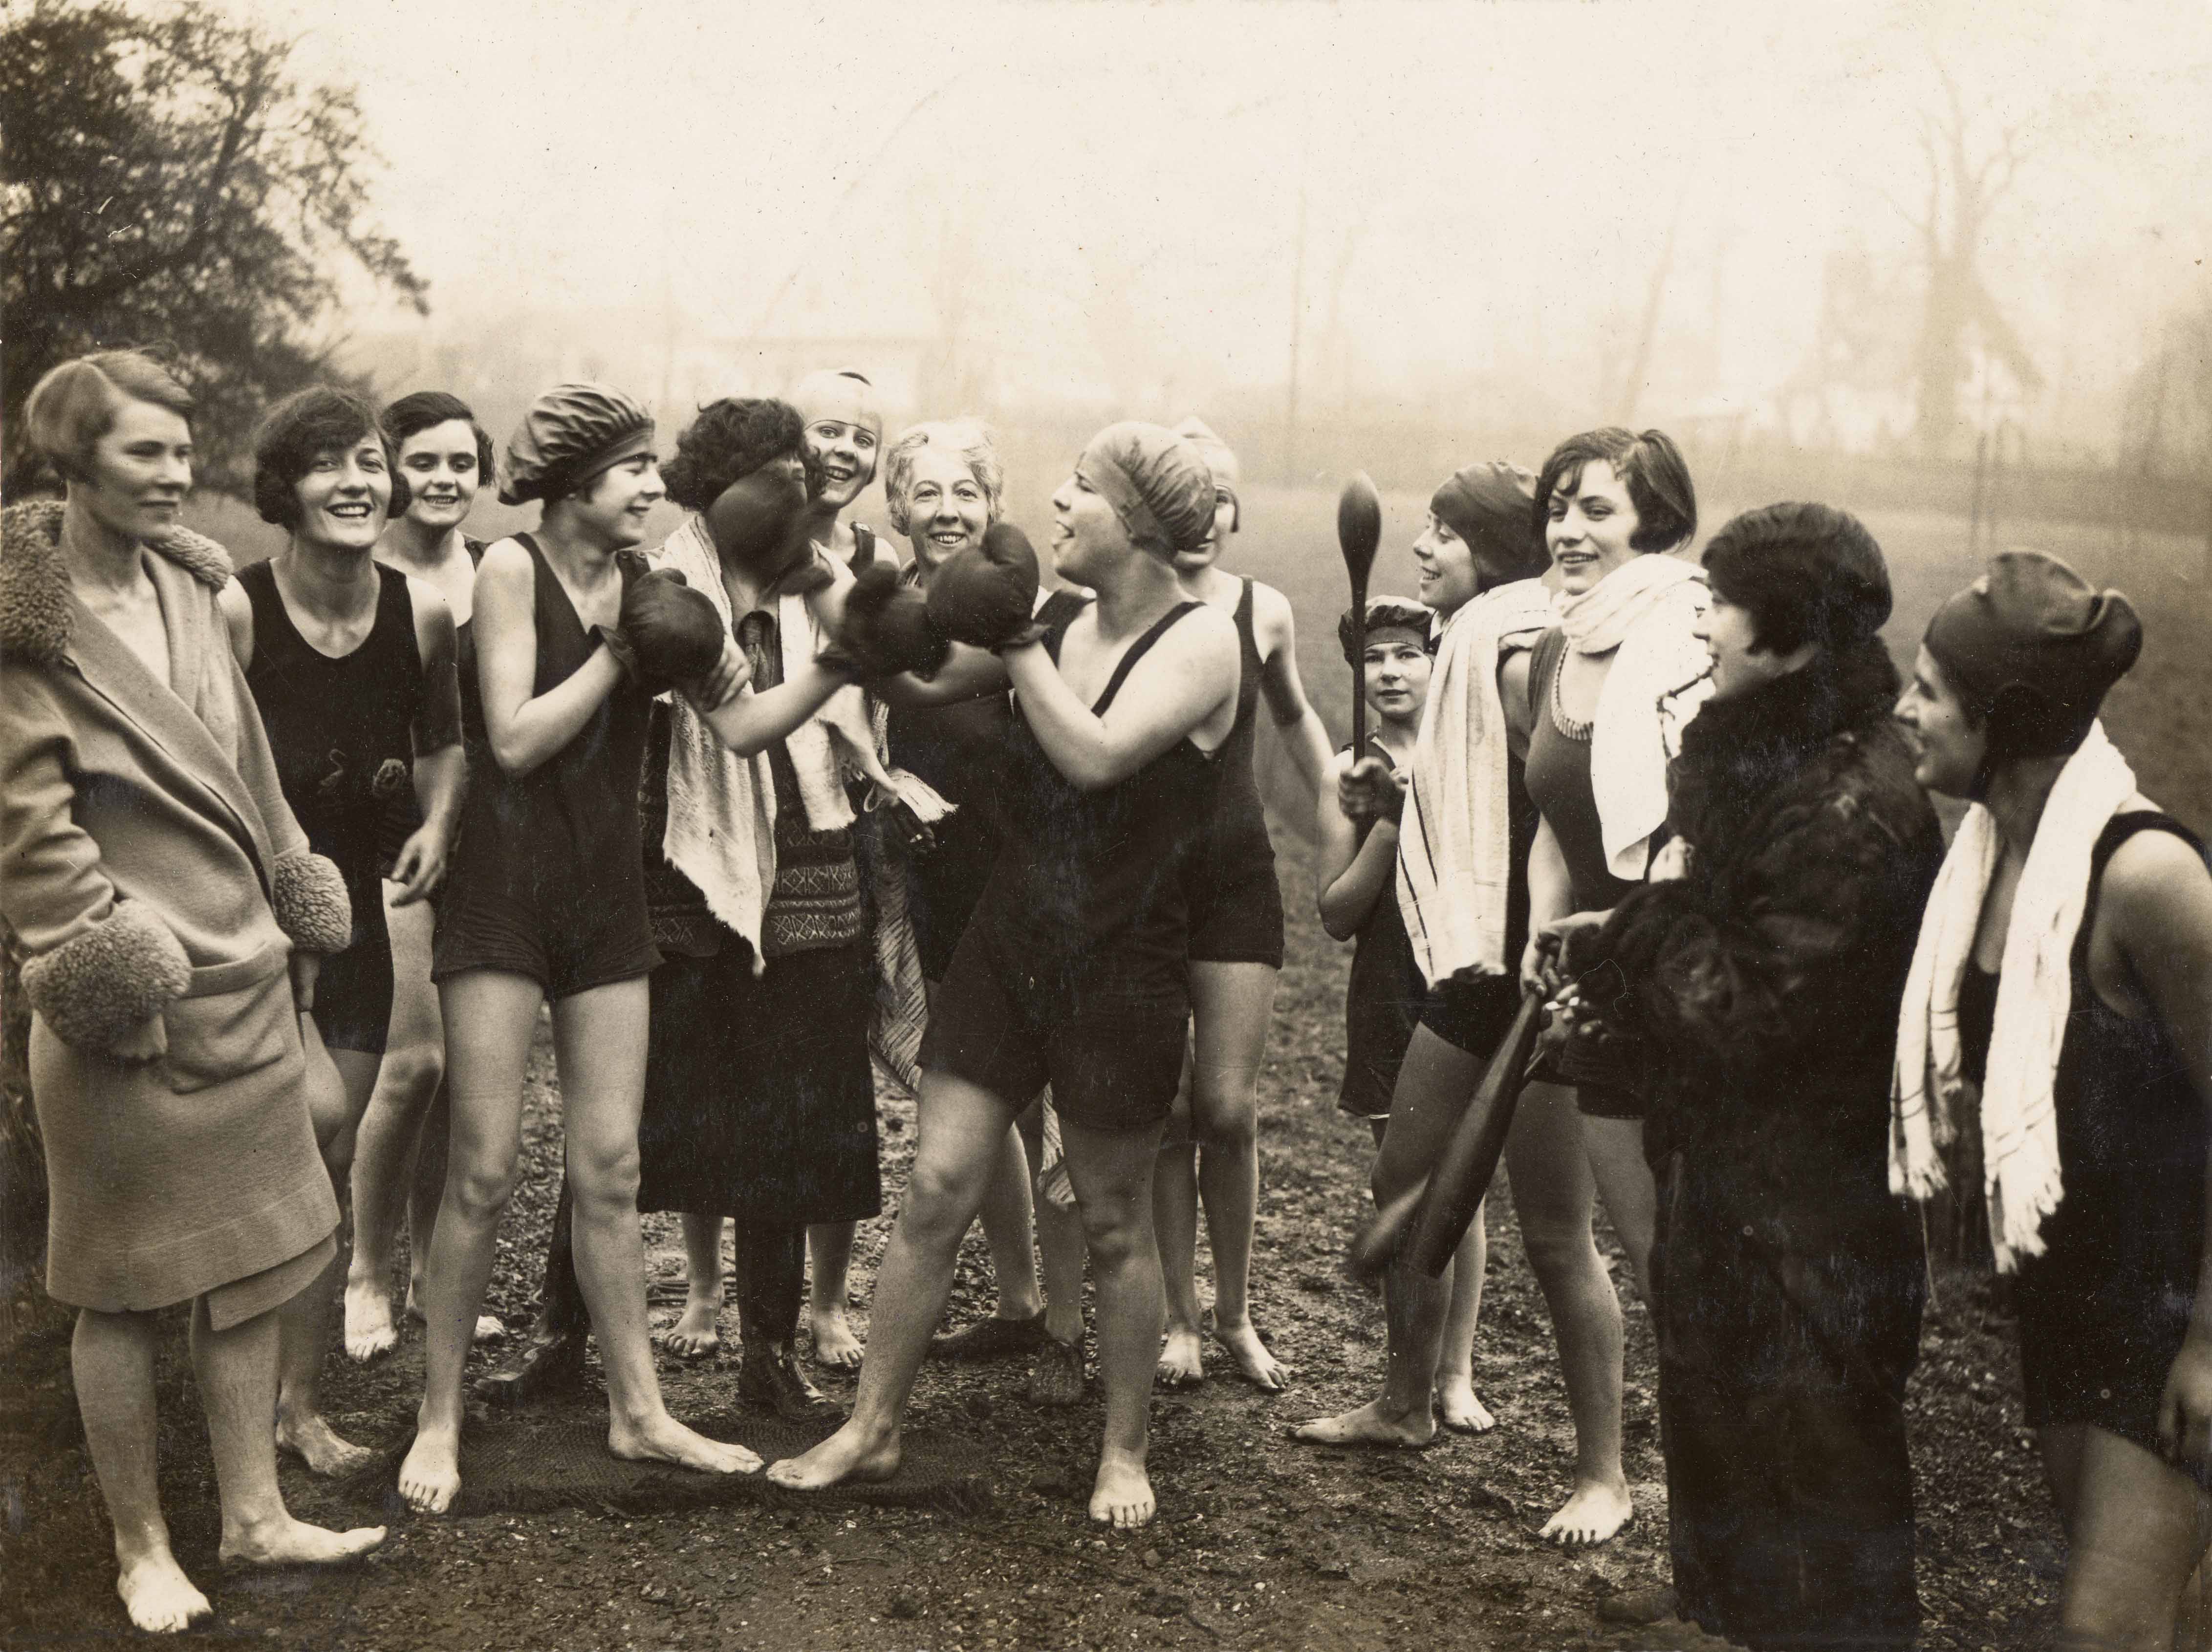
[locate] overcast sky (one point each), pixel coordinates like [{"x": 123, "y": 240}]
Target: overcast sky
[{"x": 1482, "y": 182}]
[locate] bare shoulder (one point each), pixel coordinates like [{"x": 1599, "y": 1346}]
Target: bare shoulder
[
  {"x": 2154, "y": 871},
  {"x": 237, "y": 611},
  {"x": 505, "y": 563},
  {"x": 1273, "y": 619},
  {"x": 1206, "y": 630}
]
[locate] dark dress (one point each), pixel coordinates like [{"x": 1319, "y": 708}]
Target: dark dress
[
  {"x": 342, "y": 734},
  {"x": 1230, "y": 886},
  {"x": 1382, "y": 1000},
  {"x": 1787, "y": 1281},
  {"x": 2105, "y": 1309},
  {"x": 1075, "y": 970},
  {"x": 545, "y": 879}
]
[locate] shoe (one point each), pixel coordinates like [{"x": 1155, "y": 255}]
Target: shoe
[
  {"x": 993, "y": 1339},
  {"x": 770, "y": 1380},
  {"x": 1057, "y": 1378},
  {"x": 550, "y": 1359},
  {"x": 1640, "y": 1607}
]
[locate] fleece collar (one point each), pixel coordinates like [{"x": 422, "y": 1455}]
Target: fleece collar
[{"x": 34, "y": 586}]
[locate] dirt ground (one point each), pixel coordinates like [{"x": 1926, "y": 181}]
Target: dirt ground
[{"x": 1260, "y": 1543}]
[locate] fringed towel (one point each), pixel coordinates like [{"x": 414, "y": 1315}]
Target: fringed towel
[
  {"x": 1641, "y": 613},
  {"x": 1455, "y": 838},
  {"x": 2020, "y": 1121}
]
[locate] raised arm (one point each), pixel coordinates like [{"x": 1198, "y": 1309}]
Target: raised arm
[
  {"x": 1190, "y": 675},
  {"x": 1303, "y": 734},
  {"x": 524, "y": 729},
  {"x": 1356, "y": 867}
]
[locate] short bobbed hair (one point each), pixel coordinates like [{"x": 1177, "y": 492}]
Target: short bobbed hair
[
  {"x": 297, "y": 432},
  {"x": 969, "y": 440},
  {"x": 1648, "y": 466},
  {"x": 1805, "y": 573},
  {"x": 728, "y": 441},
  {"x": 74, "y": 404},
  {"x": 424, "y": 410}
]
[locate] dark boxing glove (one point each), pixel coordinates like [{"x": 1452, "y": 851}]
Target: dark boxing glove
[
  {"x": 984, "y": 595},
  {"x": 887, "y": 627},
  {"x": 668, "y": 632}
]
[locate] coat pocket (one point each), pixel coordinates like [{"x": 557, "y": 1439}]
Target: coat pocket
[{"x": 235, "y": 1020}]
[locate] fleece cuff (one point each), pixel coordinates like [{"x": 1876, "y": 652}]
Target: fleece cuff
[
  {"x": 98, "y": 987},
  {"x": 309, "y": 897}
]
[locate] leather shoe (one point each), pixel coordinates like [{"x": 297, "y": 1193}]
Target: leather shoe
[
  {"x": 993, "y": 1339},
  {"x": 1057, "y": 1378},
  {"x": 549, "y": 1360},
  {"x": 769, "y": 1379},
  {"x": 1642, "y": 1607}
]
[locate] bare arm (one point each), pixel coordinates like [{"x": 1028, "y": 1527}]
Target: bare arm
[
  {"x": 1551, "y": 897},
  {"x": 237, "y": 619},
  {"x": 750, "y": 723},
  {"x": 967, "y": 674},
  {"x": 441, "y": 767},
  {"x": 1188, "y": 677},
  {"x": 1356, "y": 867},
  {"x": 524, "y": 729},
  {"x": 1303, "y": 734},
  {"x": 1513, "y": 697}
]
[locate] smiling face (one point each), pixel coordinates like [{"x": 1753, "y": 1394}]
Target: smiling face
[
  {"x": 844, "y": 433},
  {"x": 1730, "y": 634},
  {"x": 1088, "y": 538},
  {"x": 440, "y": 464},
  {"x": 946, "y": 508},
  {"x": 1948, "y": 749},
  {"x": 1445, "y": 565},
  {"x": 613, "y": 508},
  {"x": 1590, "y": 524},
  {"x": 1395, "y": 674},
  {"x": 140, "y": 472},
  {"x": 344, "y": 495},
  {"x": 1224, "y": 523}
]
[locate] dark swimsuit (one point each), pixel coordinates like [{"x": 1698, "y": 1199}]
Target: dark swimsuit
[
  {"x": 1382, "y": 1000},
  {"x": 342, "y": 732},
  {"x": 547, "y": 878},
  {"x": 1075, "y": 970},
  {"x": 1229, "y": 881},
  {"x": 2105, "y": 1309}
]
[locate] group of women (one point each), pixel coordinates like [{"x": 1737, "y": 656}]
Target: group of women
[{"x": 294, "y": 857}]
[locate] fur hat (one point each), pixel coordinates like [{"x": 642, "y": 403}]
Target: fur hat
[{"x": 571, "y": 435}]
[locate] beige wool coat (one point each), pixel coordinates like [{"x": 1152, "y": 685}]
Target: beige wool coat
[{"x": 149, "y": 864}]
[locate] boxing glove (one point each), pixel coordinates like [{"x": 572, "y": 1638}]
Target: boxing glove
[
  {"x": 667, "y": 632},
  {"x": 983, "y": 596},
  {"x": 887, "y": 627},
  {"x": 750, "y": 519}
]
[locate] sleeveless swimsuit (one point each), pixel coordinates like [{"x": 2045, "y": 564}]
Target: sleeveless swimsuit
[
  {"x": 548, "y": 879},
  {"x": 403, "y": 810},
  {"x": 1075, "y": 969},
  {"x": 341, "y": 732},
  {"x": 2105, "y": 1309},
  {"x": 1382, "y": 999},
  {"x": 1229, "y": 881}
]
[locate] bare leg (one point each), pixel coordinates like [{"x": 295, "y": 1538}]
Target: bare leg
[
  {"x": 236, "y": 1374},
  {"x": 695, "y": 1335},
  {"x": 1009, "y": 1229},
  {"x": 959, "y": 1132},
  {"x": 599, "y": 1042},
  {"x": 830, "y": 1247},
  {"x": 1615, "y": 1147},
  {"x": 1175, "y": 1229},
  {"x": 338, "y": 1086},
  {"x": 1232, "y": 1006},
  {"x": 111, "y": 1365},
  {"x": 2137, "y": 1528},
  {"x": 1463, "y": 1412},
  {"x": 386, "y": 1152},
  {"x": 1060, "y": 1248},
  {"x": 1112, "y": 1170},
  {"x": 1554, "y": 1194}
]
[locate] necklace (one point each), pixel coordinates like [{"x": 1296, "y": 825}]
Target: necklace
[{"x": 1576, "y": 729}]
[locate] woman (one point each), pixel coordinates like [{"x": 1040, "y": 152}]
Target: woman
[
  {"x": 2062, "y": 971},
  {"x": 1235, "y": 956},
  {"x": 1760, "y": 987},
  {"x": 351, "y": 666},
  {"x": 1609, "y": 689},
  {"x": 399, "y": 1155},
  {"x": 155, "y": 882},
  {"x": 1074, "y": 971},
  {"x": 759, "y": 1103},
  {"x": 1462, "y": 825},
  {"x": 546, "y": 899}
]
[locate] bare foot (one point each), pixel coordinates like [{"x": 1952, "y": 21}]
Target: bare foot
[
  {"x": 1592, "y": 1514},
  {"x": 663, "y": 1439},
  {"x": 1369, "y": 1425},
  {"x": 1463, "y": 1412},
  {"x": 1254, "y": 1363},
  {"x": 694, "y": 1335},
  {"x": 430, "y": 1476},
  {"x": 850, "y": 1454},
  {"x": 157, "y": 1594},
  {"x": 1183, "y": 1359},
  {"x": 369, "y": 1331},
  {"x": 290, "y": 1542},
  {"x": 1121, "y": 1495},
  {"x": 312, "y": 1438},
  {"x": 835, "y": 1345}
]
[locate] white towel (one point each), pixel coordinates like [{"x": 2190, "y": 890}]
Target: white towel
[
  {"x": 1641, "y": 613},
  {"x": 1454, "y": 834},
  {"x": 2020, "y": 1121},
  {"x": 721, "y": 807}
]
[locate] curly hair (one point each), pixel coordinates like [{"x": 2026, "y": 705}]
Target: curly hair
[
  {"x": 1648, "y": 466},
  {"x": 297, "y": 432},
  {"x": 1389, "y": 613},
  {"x": 728, "y": 441},
  {"x": 1805, "y": 573},
  {"x": 969, "y": 440},
  {"x": 412, "y": 415},
  {"x": 74, "y": 404}
]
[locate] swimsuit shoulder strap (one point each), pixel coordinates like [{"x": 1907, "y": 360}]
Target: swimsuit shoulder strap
[{"x": 1137, "y": 650}]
